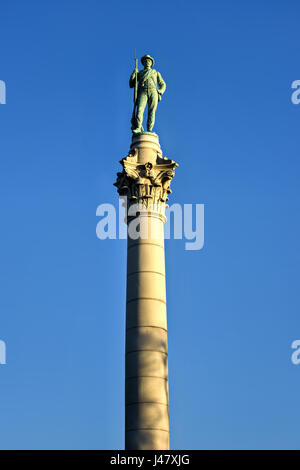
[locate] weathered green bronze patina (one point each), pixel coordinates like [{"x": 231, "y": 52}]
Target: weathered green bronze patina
[{"x": 147, "y": 92}]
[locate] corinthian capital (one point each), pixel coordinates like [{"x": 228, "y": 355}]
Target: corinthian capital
[{"x": 146, "y": 183}]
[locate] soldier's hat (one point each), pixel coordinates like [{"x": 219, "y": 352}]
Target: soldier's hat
[{"x": 147, "y": 56}]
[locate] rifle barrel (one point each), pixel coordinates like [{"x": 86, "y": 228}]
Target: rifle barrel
[{"x": 135, "y": 86}]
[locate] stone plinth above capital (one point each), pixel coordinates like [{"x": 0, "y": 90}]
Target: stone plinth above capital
[{"x": 145, "y": 147}]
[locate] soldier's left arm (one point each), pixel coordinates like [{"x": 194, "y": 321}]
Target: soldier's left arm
[{"x": 161, "y": 83}]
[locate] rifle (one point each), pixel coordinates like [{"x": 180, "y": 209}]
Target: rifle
[{"x": 133, "y": 118}]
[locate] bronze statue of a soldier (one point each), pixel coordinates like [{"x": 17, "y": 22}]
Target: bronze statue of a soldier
[{"x": 145, "y": 83}]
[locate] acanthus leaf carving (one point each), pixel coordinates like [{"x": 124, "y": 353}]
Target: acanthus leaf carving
[{"x": 146, "y": 183}]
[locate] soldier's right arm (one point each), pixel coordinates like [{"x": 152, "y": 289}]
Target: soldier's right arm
[{"x": 132, "y": 79}]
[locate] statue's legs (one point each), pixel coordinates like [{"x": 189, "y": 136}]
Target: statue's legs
[
  {"x": 141, "y": 105},
  {"x": 152, "y": 105}
]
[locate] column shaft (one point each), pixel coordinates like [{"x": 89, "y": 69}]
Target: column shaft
[{"x": 146, "y": 363}]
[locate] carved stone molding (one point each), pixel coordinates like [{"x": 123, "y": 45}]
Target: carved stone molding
[{"x": 146, "y": 184}]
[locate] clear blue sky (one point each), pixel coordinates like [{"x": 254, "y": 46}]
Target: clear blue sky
[{"x": 233, "y": 307}]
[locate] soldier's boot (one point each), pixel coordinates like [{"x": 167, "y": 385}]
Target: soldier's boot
[{"x": 138, "y": 130}]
